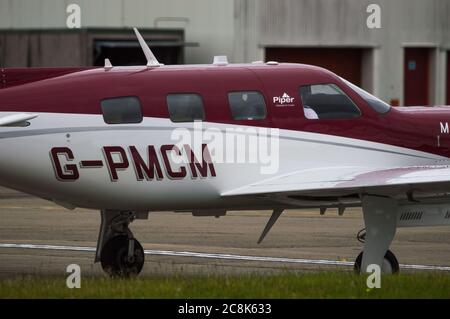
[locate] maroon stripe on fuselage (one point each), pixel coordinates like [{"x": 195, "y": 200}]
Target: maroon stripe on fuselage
[
  {"x": 18, "y": 76},
  {"x": 81, "y": 93}
]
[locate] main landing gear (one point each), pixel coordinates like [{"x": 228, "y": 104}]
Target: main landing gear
[
  {"x": 380, "y": 217},
  {"x": 120, "y": 254},
  {"x": 390, "y": 264}
]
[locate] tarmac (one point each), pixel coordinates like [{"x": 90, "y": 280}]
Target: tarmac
[{"x": 40, "y": 238}]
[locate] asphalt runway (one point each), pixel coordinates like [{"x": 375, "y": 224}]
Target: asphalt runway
[{"x": 40, "y": 238}]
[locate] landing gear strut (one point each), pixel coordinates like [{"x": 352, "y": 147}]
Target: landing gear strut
[
  {"x": 380, "y": 218},
  {"x": 120, "y": 254}
]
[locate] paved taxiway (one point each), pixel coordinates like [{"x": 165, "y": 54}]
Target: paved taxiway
[{"x": 226, "y": 245}]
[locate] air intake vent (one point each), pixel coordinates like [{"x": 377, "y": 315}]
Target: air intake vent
[
  {"x": 447, "y": 215},
  {"x": 411, "y": 216}
]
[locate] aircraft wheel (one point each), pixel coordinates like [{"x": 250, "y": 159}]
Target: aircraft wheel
[
  {"x": 390, "y": 263},
  {"x": 115, "y": 260}
]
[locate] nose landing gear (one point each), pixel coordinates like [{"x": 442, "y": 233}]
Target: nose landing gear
[
  {"x": 390, "y": 263},
  {"x": 380, "y": 218}
]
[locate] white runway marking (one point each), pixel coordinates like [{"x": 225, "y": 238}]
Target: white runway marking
[{"x": 221, "y": 256}]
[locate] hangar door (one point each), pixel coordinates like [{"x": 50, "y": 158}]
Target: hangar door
[
  {"x": 345, "y": 62},
  {"x": 129, "y": 52},
  {"x": 87, "y": 47}
]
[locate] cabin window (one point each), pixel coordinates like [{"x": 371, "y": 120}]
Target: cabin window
[
  {"x": 122, "y": 110},
  {"x": 327, "y": 101},
  {"x": 185, "y": 107},
  {"x": 247, "y": 105}
]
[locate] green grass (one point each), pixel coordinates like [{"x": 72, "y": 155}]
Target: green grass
[{"x": 285, "y": 285}]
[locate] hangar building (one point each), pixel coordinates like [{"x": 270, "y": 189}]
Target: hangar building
[{"x": 405, "y": 62}]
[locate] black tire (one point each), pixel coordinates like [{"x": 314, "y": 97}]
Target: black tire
[
  {"x": 389, "y": 257},
  {"x": 114, "y": 257}
]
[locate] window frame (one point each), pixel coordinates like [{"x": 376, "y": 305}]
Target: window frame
[
  {"x": 361, "y": 114},
  {"x": 266, "y": 111},
  {"x": 141, "y": 115},
  {"x": 186, "y": 93}
]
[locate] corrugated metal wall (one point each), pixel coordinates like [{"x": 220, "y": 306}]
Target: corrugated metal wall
[
  {"x": 210, "y": 23},
  {"x": 35, "y": 49},
  {"x": 62, "y": 47}
]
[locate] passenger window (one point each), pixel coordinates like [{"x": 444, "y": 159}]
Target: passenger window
[
  {"x": 122, "y": 110},
  {"x": 327, "y": 101},
  {"x": 185, "y": 107},
  {"x": 247, "y": 105}
]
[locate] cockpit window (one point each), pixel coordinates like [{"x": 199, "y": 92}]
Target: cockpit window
[
  {"x": 375, "y": 103},
  {"x": 327, "y": 101}
]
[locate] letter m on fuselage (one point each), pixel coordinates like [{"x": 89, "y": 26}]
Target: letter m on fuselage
[
  {"x": 197, "y": 168},
  {"x": 444, "y": 128}
]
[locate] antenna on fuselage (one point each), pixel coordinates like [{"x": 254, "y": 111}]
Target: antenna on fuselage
[
  {"x": 151, "y": 59},
  {"x": 108, "y": 65}
]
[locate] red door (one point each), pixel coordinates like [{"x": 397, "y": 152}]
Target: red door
[
  {"x": 345, "y": 62},
  {"x": 416, "y": 76}
]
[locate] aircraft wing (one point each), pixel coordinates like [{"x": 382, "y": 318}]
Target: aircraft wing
[
  {"x": 342, "y": 181},
  {"x": 16, "y": 119}
]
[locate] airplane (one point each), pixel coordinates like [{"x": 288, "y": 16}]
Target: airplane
[{"x": 102, "y": 138}]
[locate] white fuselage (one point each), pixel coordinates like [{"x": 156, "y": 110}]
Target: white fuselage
[{"x": 26, "y": 163}]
